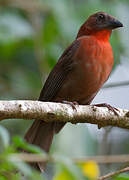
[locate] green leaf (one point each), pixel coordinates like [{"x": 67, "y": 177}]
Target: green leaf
[
  {"x": 3, "y": 178},
  {"x": 20, "y": 143},
  {"x": 121, "y": 177},
  {"x": 63, "y": 176}
]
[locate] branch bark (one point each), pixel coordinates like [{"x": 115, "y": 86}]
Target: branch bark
[{"x": 49, "y": 111}]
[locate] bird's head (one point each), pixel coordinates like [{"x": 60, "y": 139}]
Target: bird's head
[{"x": 98, "y": 22}]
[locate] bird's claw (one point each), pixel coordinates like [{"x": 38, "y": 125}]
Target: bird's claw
[
  {"x": 110, "y": 108},
  {"x": 72, "y": 104}
]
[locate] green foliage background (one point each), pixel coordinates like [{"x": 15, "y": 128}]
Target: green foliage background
[{"x": 33, "y": 34}]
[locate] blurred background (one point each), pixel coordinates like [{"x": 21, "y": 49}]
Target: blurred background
[{"x": 33, "y": 35}]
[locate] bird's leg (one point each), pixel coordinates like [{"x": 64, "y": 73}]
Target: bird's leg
[
  {"x": 72, "y": 104},
  {"x": 110, "y": 108}
]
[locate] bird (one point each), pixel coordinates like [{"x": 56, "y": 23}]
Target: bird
[{"x": 77, "y": 76}]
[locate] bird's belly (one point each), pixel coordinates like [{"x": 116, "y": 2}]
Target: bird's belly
[{"x": 82, "y": 84}]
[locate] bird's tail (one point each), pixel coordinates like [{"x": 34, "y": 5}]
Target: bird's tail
[{"x": 41, "y": 134}]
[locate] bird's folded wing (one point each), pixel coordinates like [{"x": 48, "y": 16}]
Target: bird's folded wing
[{"x": 59, "y": 73}]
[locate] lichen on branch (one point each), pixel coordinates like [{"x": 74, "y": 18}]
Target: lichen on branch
[{"x": 59, "y": 112}]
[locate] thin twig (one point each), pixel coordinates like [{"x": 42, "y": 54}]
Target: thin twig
[
  {"x": 117, "y": 84},
  {"x": 99, "y": 159},
  {"x": 113, "y": 173},
  {"x": 105, "y": 159},
  {"x": 30, "y": 157},
  {"x": 28, "y": 6},
  {"x": 27, "y": 157}
]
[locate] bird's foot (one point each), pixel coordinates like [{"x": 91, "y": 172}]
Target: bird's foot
[
  {"x": 72, "y": 104},
  {"x": 110, "y": 108}
]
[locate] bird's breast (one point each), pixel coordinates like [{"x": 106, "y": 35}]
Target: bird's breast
[
  {"x": 95, "y": 59},
  {"x": 92, "y": 66}
]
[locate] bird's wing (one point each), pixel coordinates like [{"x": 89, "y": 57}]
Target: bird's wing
[{"x": 59, "y": 73}]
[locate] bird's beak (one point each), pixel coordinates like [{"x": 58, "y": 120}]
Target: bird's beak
[{"x": 114, "y": 23}]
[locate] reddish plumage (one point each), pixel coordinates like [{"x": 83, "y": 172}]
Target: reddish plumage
[{"x": 78, "y": 75}]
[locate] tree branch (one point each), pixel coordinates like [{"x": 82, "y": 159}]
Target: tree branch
[
  {"x": 108, "y": 159},
  {"x": 99, "y": 159},
  {"x": 49, "y": 111},
  {"x": 113, "y": 173}
]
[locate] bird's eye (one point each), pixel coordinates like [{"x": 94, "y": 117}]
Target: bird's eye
[{"x": 101, "y": 17}]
